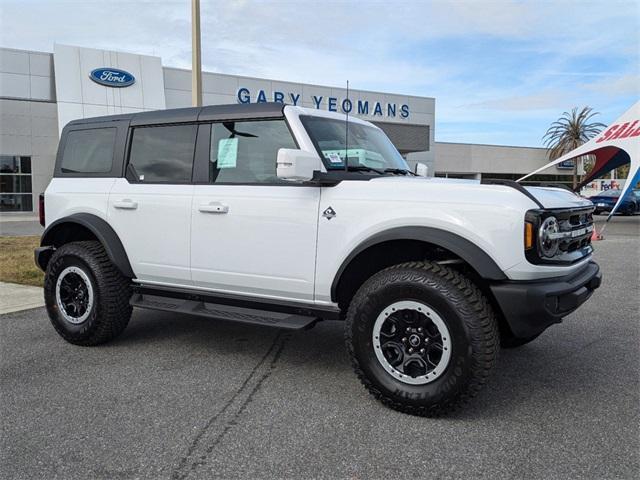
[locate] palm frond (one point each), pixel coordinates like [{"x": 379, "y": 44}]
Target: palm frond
[{"x": 570, "y": 131}]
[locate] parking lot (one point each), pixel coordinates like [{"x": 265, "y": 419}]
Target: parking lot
[{"x": 186, "y": 397}]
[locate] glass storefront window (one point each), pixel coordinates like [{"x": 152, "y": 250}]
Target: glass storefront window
[
  {"x": 25, "y": 164},
  {"x": 15, "y": 184},
  {"x": 9, "y": 164},
  {"x": 16, "y": 203}
]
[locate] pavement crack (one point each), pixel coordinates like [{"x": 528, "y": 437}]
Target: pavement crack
[{"x": 210, "y": 436}]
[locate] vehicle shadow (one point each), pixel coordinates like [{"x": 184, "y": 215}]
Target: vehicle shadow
[{"x": 518, "y": 373}]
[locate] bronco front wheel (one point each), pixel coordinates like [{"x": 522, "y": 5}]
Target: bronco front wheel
[{"x": 422, "y": 338}]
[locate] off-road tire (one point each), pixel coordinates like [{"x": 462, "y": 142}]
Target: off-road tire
[
  {"x": 110, "y": 312},
  {"x": 468, "y": 316}
]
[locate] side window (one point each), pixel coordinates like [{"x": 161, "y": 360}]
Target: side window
[
  {"x": 88, "y": 151},
  {"x": 163, "y": 154},
  {"x": 246, "y": 152}
]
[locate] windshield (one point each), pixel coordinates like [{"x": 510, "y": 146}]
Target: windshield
[{"x": 365, "y": 147}]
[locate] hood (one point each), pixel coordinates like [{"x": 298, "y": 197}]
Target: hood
[
  {"x": 604, "y": 198},
  {"x": 549, "y": 197},
  {"x": 552, "y": 197}
]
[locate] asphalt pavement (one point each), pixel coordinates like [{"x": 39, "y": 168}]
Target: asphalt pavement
[{"x": 184, "y": 397}]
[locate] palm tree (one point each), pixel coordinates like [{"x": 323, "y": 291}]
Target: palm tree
[{"x": 569, "y": 132}]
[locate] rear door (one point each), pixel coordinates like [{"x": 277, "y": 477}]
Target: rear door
[
  {"x": 252, "y": 233},
  {"x": 150, "y": 209}
]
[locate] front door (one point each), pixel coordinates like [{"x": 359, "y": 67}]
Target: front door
[
  {"x": 150, "y": 209},
  {"x": 252, "y": 233}
]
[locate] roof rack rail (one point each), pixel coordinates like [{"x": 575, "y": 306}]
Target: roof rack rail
[{"x": 512, "y": 184}]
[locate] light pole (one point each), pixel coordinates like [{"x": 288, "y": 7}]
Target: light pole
[{"x": 196, "y": 61}]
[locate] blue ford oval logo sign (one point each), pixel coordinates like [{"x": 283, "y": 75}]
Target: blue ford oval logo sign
[{"x": 112, "y": 77}]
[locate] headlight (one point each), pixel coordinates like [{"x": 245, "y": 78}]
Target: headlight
[
  {"x": 548, "y": 241},
  {"x": 559, "y": 236}
]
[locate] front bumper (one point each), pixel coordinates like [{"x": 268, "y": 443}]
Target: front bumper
[{"x": 531, "y": 307}]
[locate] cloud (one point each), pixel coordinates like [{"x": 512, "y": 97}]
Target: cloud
[
  {"x": 534, "y": 101},
  {"x": 625, "y": 85},
  {"x": 484, "y": 61}
]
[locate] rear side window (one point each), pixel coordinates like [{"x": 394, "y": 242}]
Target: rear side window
[
  {"x": 88, "y": 151},
  {"x": 163, "y": 154}
]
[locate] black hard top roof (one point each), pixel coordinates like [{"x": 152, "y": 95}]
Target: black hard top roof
[{"x": 194, "y": 114}]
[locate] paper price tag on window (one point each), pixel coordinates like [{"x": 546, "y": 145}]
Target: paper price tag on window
[
  {"x": 227, "y": 153},
  {"x": 334, "y": 158}
]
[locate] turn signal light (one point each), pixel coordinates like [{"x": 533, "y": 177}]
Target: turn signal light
[{"x": 528, "y": 236}]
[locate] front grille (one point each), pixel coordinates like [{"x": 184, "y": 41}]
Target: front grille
[
  {"x": 580, "y": 227},
  {"x": 575, "y": 228}
]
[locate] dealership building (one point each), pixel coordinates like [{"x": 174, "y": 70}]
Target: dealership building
[{"x": 40, "y": 92}]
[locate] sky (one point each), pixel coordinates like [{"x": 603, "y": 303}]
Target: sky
[{"x": 500, "y": 71}]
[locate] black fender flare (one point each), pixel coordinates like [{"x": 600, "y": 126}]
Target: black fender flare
[
  {"x": 105, "y": 234},
  {"x": 477, "y": 258}
]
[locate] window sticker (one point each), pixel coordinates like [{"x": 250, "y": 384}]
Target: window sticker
[
  {"x": 334, "y": 157},
  {"x": 227, "y": 153}
]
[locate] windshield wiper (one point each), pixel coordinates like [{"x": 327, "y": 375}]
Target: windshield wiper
[
  {"x": 363, "y": 168},
  {"x": 400, "y": 171}
]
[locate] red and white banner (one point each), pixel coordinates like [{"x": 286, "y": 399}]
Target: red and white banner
[{"x": 621, "y": 138}]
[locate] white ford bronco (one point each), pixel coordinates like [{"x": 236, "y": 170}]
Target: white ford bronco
[{"x": 284, "y": 216}]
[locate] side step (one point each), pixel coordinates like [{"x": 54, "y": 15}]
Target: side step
[{"x": 223, "y": 312}]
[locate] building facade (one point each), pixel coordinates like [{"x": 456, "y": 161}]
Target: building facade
[
  {"x": 28, "y": 128},
  {"x": 40, "y": 92},
  {"x": 477, "y": 161}
]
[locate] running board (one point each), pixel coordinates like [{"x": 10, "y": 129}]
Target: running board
[{"x": 223, "y": 312}]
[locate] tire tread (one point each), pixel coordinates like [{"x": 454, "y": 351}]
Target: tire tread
[
  {"x": 474, "y": 309},
  {"x": 112, "y": 295}
]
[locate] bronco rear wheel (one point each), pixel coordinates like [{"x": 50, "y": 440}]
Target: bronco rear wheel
[
  {"x": 422, "y": 338},
  {"x": 86, "y": 296}
]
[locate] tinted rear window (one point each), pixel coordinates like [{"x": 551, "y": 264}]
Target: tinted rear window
[
  {"x": 88, "y": 151},
  {"x": 163, "y": 154}
]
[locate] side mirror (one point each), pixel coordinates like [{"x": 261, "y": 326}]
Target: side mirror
[
  {"x": 421, "y": 169},
  {"x": 296, "y": 165}
]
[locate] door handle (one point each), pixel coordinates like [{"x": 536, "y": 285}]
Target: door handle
[
  {"x": 213, "y": 207},
  {"x": 126, "y": 204}
]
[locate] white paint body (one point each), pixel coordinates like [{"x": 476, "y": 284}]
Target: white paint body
[{"x": 271, "y": 241}]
